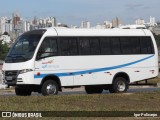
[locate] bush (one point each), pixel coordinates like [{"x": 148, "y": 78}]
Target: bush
[
  {"x": 157, "y": 37},
  {"x": 3, "y": 50}
]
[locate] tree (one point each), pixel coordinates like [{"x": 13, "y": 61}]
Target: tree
[
  {"x": 3, "y": 50},
  {"x": 157, "y": 38}
]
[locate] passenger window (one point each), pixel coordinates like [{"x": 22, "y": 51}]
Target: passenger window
[
  {"x": 94, "y": 45},
  {"x": 115, "y": 45},
  {"x": 69, "y": 46},
  {"x": 105, "y": 46},
  {"x": 84, "y": 46},
  {"x": 146, "y": 45},
  {"x": 135, "y": 45},
  {"x": 130, "y": 45},
  {"x": 48, "y": 48},
  {"x": 126, "y": 45}
]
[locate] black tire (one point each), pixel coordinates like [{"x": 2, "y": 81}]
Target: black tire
[
  {"x": 93, "y": 90},
  {"x": 22, "y": 91},
  {"x": 120, "y": 85},
  {"x": 49, "y": 87}
]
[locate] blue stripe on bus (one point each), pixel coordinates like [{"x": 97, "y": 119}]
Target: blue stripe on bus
[{"x": 92, "y": 70}]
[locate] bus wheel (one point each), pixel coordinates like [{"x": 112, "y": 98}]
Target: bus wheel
[
  {"x": 22, "y": 91},
  {"x": 49, "y": 87},
  {"x": 119, "y": 85},
  {"x": 93, "y": 89}
]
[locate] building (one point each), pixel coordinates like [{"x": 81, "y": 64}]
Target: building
[
  {"x": 108, "y": 24},
  {"x": 8, "y": 26},
  {"x": 2, "y": 24},
  {"x": 85, "y": 24},
  {"x": 35, "y": 21},
  {"x": 115, "y": 22},
  {"x": 140, "y": 22},
  {"x": 42, "y": 23},
  {"x": 23, "y": 26},
  {"x": 5, "y": 25},
  {"x": 26, "y": 26},
  {"x": 152, "y": 21},
  {"x": 20, "y": 27},
  {"x": 51, "y": 22},
  {"x": 16, "y": 19},
  {"x": 100, "y": 26}
]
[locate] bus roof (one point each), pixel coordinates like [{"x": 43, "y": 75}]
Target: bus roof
[{"x": 96, "y": 32}]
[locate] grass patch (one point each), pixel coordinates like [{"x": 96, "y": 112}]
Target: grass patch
[
  {"x": 144, "y": 101},
  {"x": 154, "y": 81}
]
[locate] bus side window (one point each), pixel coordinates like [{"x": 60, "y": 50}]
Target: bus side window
[
  {"x": 48, "y": 48},
  {"x": 84, "y": 46},
  {"x": 94, "y": 46},
  {"x": 130, "y": 45},
  {"x": 146, "y": 45},
  {"x": 126, "y": 45},
  {"x": 69, "y": 46},
  {"x": 105, "y": 46},
  {"x": 135, "y": 46},
  {"x": 115, "y": 45}
]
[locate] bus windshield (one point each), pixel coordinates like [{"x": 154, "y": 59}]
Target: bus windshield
[{"x": 24, "y": 48}]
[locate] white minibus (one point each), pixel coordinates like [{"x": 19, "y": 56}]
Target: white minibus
[{"x": 46, "y": 60}]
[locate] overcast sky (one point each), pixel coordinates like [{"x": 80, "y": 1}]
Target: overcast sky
[{"x": 74, "y": 11}]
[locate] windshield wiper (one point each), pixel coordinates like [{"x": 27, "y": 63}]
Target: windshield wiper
[
  {"x": 21, "y": 57},
  {"x": 16, "y": 57},
  {"x": 10, "y": 56}
]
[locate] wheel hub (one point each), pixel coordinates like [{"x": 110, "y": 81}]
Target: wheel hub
[
  {"x": 51, "y": 89},
  {"x": 121, "y": 86}
]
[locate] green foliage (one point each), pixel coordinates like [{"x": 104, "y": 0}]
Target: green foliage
[
  {"x": 157, "y": 37},
  {"x": 3, "y": 50}
]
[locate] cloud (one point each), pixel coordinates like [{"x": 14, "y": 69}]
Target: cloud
[
  {"x": 147, "y": 7},
  {"x": 134, "y": 6}
]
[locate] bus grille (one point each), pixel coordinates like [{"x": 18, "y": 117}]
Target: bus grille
[{"x": 11, "y": 77}]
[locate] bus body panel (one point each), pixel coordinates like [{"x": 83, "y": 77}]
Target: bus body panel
[
  {"x": 100, "y": 32},
  {"x": 87, "y": 69},
  {"x": 90, "y": 70}
]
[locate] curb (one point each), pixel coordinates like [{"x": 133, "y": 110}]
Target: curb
[{"x": 145, "y": 86}]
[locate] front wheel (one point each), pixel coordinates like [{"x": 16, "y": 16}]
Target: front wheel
[
  {"x": 49, "y": 87},
  {"x": 119, "y": 85}
]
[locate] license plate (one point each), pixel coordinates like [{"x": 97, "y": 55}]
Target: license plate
[{"x": 9, "y": 78}]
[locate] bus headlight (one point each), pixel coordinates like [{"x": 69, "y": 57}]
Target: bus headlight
[{"x": 25, "y": 70}]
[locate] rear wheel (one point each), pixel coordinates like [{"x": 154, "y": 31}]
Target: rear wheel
[
  {"x": 93, "y": 89},
  {"x": 22, "y": 91},
  {"x": 49, "y": 87},
  {"x": 119, "y": 85}
]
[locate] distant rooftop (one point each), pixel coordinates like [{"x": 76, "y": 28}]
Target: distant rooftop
[{"x": 133, "y": 27}]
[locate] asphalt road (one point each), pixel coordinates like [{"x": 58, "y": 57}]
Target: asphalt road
[{"x": 82, "y": 91}]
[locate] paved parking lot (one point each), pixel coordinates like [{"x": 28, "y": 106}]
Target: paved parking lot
[{"x": 81, "y": 90}]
